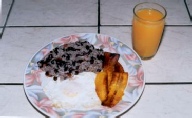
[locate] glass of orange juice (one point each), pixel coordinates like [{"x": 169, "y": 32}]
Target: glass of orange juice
[{"x": 147, "y": 28}]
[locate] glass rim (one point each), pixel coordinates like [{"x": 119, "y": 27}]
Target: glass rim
[{"x": 164, "y": 15}]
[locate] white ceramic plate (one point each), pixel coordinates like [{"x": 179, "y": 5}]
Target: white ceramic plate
[{"x": 129, "y": 59}]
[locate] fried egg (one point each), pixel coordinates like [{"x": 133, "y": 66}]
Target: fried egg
[{"x": 77, "y": 93}]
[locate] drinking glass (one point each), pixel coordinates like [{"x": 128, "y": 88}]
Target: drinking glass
[{"x": 147, "y": 28}]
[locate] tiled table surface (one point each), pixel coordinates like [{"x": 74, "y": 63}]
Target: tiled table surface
[{"x": 31, "y": 24}]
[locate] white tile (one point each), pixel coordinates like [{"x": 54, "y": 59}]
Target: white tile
[
  {"x": 18, "y": 45},
  {"x": 163, "y": 101},
  {"x": 121, "y": 33},
  {"x": 4, "y": 9},
  {"x": 53, "y": 12},
  {"x": 189, "y": 5},
  {"x": 172, "y": 62},
  {"x": 13, "y": 102},
  {"x": 176, "y": 12},
  {"x": 120, "y": 12},
  {"x": 115, "y": 12}
]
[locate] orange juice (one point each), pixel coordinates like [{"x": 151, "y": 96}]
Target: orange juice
[{"x": 147, "y": 29}]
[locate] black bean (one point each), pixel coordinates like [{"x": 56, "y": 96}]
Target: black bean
[
  {"x": 56, "y": 50},
  {"x": 63, "y": 49},
  {"x": 67, "y": 57},
  {"x": 76, "y": 72},
  {"x": 56, "y": 71},
  {"x": 77, "y": 67},
  {"x": 85, "y": 69},
  {"x": 78, "y": 43},
  {"x": 57, "y": 62},
  {"x": 92, "y": 47},
  {"x": 48, "y": 74},
  {"x": 73, "y": 63},
  {"x": 100, "y": 57},
  {"x": 99, "y": 50},
  {"x": 48, "y": 60},
  {"x": 40, "y": 63},
  {"x": 72, "y": 48},
  {"x": 87, "y": 47},
  {"x": 81, "y": 43},
  {"x": 63, "y": 56},
  {"x": 91, "y": 61},
  {"x": 93, "y": 58},
  {"x": 79, "y": 61},
  {"x": 61, "y": 64},
  {"x": 50, "y": 56},
  {"x": 55, "y": 78},
  {"x": 52, "y": 61},
  {"x": 70, "y": 70},
  {"x": 65, "y": 68},
  {"x": 90, "y": 51},
  {"x": 98, "y": 70},
  {"x": 47, "y": 64}
]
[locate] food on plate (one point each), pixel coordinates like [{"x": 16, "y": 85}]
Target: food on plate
[
  {"x": 101, "y": 85},
  {"x": 73, "y": 94},
  {"x": 118, "y": 67},
  {"x": 116, "y": 89},
  {"x": 73, "y": 59},
  {"x": 70, "y": 59},
  {"x": 110, "y": 60},
  {"x": 110, "y": 83}
]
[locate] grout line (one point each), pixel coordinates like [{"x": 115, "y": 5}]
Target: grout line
[
  {"x": 189, "y": 25},
  {"x": 11, "y": 83},
  {"x": 188, "y": 10},
  {"x": 99, "y": 16},
  {"x": 6, "y": 20},
  {"x": 52, "y": 26},
  {"x": 148, "y": 83},
  {"x": 168, "y": 83}
]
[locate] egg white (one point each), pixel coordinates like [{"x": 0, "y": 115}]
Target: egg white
[{"x": 77, "y": 93}]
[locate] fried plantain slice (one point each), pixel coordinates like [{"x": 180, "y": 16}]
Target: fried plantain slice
[
  {"x": 123, "y": 79},
  {"x": 110, "y": 83},
  {"x": 106, "y": 60},
  {"x": 112, "y": 90},
  {"x": 111, "y": 59},
  {"x": 101, "y": 85},
  {"x": 118, "y": 68}
]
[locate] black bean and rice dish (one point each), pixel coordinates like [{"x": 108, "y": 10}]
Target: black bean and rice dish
[{"x": 70, "y": 59}]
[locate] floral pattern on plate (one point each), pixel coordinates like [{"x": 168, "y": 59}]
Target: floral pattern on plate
[{"x": 131, "y": 63}]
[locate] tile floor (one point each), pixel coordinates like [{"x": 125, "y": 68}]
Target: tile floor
[{"x": 28, "y": 25}]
